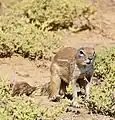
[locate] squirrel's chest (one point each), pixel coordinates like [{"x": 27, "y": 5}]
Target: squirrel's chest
[{"x": 81, "y": 72}]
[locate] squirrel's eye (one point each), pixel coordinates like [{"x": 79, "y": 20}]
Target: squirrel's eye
[{"x": 81, "y": 52}]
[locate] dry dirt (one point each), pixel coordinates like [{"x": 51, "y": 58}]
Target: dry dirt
[{"x": 29, "y": 71}]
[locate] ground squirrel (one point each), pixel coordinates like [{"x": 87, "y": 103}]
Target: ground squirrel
[{"x": 72, "y": 65}]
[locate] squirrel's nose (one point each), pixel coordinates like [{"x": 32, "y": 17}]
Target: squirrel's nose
[
  {"x": 88, "y": 61},
  {"x": 90, "y": 58}
]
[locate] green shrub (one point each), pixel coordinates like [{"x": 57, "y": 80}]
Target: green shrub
[
  {"x": 103, "y": 91},
  {"x": 53, "y": 14},
  {"x": 105, "y": 63},
  {"x": 25, "y": 27},
  {"x": 16, "y": 35}
]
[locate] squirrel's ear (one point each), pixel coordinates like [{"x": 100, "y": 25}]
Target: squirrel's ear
[{"x": 94, "y": 54}]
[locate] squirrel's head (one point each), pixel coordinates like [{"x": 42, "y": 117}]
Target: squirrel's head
[{"x": 85, "y": 56}]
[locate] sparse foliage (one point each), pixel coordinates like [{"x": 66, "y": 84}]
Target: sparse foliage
[
  {"x": 102, "y": 97},
  {"x": 29, "y": 27}
]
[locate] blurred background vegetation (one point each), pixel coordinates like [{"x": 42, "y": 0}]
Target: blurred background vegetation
[{"x": 29, "y": 27}]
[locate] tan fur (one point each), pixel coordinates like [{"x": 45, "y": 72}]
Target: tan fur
[
  {"x": 67, "y": 66},
  {"x": 60, "y": 71}
]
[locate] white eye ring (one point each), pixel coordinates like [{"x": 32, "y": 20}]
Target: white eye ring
[{"x": 81, "y": 55}]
